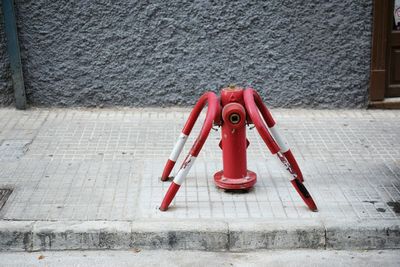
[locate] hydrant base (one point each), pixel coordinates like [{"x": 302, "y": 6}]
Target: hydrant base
[{"x": 235, "y": 183}]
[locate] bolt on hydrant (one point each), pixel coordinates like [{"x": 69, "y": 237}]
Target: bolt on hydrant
[{"x": 235, "y": 109}]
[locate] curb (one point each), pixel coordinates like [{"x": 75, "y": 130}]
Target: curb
[{"x": 205, "y": 235}]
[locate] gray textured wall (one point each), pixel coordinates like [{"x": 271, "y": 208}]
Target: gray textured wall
[
  {"x": 6, "y": 91},
  {"x": 137, "y": 53}
]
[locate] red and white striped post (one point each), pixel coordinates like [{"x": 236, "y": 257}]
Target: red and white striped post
[
  {"x": 255, "y": 106},
  {"x": 239, "y": 107},
  {"x": 213, "y": 115}
]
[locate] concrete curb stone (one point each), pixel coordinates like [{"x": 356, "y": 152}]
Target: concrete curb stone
[
  {"x": 191, "y": 235},
  {"x": 380, "y": 234},
  {"x": 16, "y": 235},
  {"x": 80, "y": 235},
  {"x": 283, "y": 235},
  {"x": 207, "y": 235}
]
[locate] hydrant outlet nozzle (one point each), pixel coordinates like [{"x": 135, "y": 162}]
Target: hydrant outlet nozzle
[
  {"x": 234, "y": 115},
  {"x": 234, "y": 118}
]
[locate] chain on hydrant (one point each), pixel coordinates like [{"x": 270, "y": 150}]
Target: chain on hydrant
[{"x": 233, "y": 111}]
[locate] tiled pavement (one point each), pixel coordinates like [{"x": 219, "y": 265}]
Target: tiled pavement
[{"x": 105, "y": 164}]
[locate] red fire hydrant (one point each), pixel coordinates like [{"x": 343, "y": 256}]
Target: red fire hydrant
[
  {"x": 234, "y": 143},
  {"x": 233, "y": 111}
]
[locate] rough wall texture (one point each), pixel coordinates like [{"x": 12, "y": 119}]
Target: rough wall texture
[
  {"x": 6, "y": 91},
  {"x": 136, "y": 53}
]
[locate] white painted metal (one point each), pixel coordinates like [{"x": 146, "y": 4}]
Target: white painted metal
[
  {"x": 182, "y": 173},
  {"x": 279, "y": 138},
  {"x": 178, "y": 147}
]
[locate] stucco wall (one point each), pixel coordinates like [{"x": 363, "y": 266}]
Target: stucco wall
[
  {"x": 6, "y": 90},
  {"x": 296, "y": 53}
]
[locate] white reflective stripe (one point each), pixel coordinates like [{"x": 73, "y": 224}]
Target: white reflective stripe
[
  {"x": 178, "y": 147},
  {"x": 279, "y": 138},
  {"x": 184, "y": 170}
]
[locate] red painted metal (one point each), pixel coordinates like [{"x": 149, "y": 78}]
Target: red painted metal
[
  {"x": 303, "y": 192},
  {"x": 212, "y": 116},
  {"x": 252, "y": 109},
  {"x": 271, "y": 123},
  {"x": 169, "y": 196},
  {"x": 239, "y": 108},
  {"x": 255, "y": 106},
  {"x": 167, "y": 170},
  {"x": 234, "y": 143}
]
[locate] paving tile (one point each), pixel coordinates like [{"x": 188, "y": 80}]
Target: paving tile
[{"x": 105, "y": 164}]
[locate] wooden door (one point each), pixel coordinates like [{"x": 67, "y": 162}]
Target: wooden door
[{"x": 385, "y": 57}]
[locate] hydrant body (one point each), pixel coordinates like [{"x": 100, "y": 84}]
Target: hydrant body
[{"x": 234, "y": 143}]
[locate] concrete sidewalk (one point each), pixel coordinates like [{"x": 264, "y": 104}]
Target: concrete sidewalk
[{"x": 89, "y": 179}]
